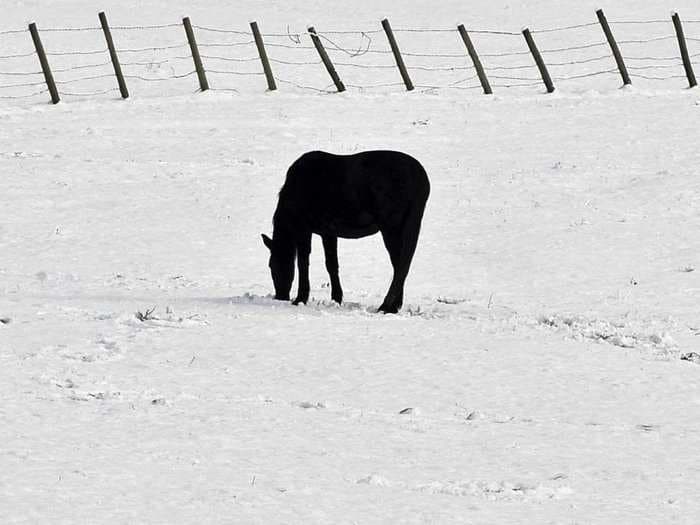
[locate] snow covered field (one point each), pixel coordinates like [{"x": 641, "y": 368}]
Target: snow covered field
[{"x": 533, "y": 376}]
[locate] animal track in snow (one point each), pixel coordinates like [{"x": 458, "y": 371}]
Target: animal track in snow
[
  {"x": 152, "y": 319},
  {"x": 68, "y": 388},
  {"x": 102, "y": 349},
  {"x": 622, "y": 333},
  {"x": 497, "y": 490},
  {"x": 491, "y": 490}
]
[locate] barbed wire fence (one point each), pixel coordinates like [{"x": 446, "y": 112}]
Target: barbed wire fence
[{"x": 89, "y": 62}]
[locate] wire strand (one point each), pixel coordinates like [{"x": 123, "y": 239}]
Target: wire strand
[
  {"x": 375, "y": 86},
  {"x": 525, "y": 79},
  {"x": 439, "y": 68},
  {"x": 13, "y": 31},
  {"x": 141, "y": 28},
  {"x": 224, "y": 90},
  {"x": 239, "y": 73},
  {"x": 636, "y": 75},
  {"x": 529, "y": 84},
  {"x": 660, "y": 66},
  {"x": 493, "y": 32},
  {"x": 309, "y": 63},
  {"x": 323, "y": 91},
  {"x": 77, "y": 53},
  {"x": 25, "y": 84},
  {"x": 573, "y": 48},
  {"x": 69, "y": 29},
  {"x": 289, "y": 46},
  {"x": 407, "y": 30},
  {"x": 639, "y": 22},
  {"x": 74, "y": 80},
  {"x": 364, "y": 66},
  {"x": 586, "y": 75},
  {"x": 510, "y": 68},
  {"x": 146, "y": 79},
  {"x": 152, "y": 63},
  {"x": 582, "y": 61},
  {"x": 357, "y": 32},
  {"x": 565, "y": 28},
  {"x": 91, "y": 94},
  {"x": 20, "y": 55},
  {"x": 86, "y": 66},
  {"x": 510, "y": 54},
  {"x": 154, "y": 48},
  {"x": 658, "y": 59},
  {"x": 646, "y": 41},
  {"x": 224, "y": 31},
  {"x": 19, "y": 73},
  {"x": 227, "y": 44},
  {"x": 17, "y": 97},
  {"x": 359, "y": 51},
  {"x": 228, "y": 59}
]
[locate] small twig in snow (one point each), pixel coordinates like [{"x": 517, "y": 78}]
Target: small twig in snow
[
  {"x": 450, "y": 300},
  {"x": 145, "y": 316}
]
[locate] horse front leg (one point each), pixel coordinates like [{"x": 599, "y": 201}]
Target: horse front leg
[
  {"x": 330, "y": 248},
  {"x": 303, "y": 254}
]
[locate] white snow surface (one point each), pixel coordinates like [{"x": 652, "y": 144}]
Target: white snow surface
[{"x": 534, "y": 374}]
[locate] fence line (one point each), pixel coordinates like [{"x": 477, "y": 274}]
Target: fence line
[{"x": 436, "y": 56}]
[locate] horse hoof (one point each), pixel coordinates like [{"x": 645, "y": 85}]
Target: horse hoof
[{"x": 388, "y": 309}]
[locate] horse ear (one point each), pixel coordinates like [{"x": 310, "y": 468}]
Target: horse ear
[{"x": 267, "y": 241}]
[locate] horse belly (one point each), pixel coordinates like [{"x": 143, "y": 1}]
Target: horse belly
[
  {"x": 350, "y": 232},
  {"x": 353, "y": 227}
]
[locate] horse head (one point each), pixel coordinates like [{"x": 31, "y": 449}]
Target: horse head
[{"x": 281, "y": 266}]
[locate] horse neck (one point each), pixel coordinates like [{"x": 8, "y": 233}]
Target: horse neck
[{"x": 282, "y": 232}]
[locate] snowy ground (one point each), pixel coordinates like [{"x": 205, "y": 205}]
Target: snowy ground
[{"x": 534, "y": 375}]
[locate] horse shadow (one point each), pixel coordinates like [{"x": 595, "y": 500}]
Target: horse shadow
[{"x": 269, "y": 301}]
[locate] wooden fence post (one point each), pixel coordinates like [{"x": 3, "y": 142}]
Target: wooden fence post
[
  {"x": 397, "y": 55},
  {"x": 538, "y": 60},
  {"x": 687, "y": 64},
  {"x": 48, "y": 76},
  {"x": 475, "y": 59},
  {"x": 203, "y": 84},
  {"x": 263, "y": 56},
  {"x": 613, "y": 46},
  {"x": 326, "y": 59},
  {"x": 113, "y": 55}
]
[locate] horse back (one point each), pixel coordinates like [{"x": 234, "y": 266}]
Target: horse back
[{"x": 366, "y": 191}]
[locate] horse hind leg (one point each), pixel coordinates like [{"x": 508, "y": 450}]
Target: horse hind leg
[
  {"x": 393, "y": 243},
  {"x": 330, "y": 248},
  {"x": 401, "y": 246}
]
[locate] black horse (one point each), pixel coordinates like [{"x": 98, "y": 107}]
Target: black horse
[{"x": 349, "y": 196}]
